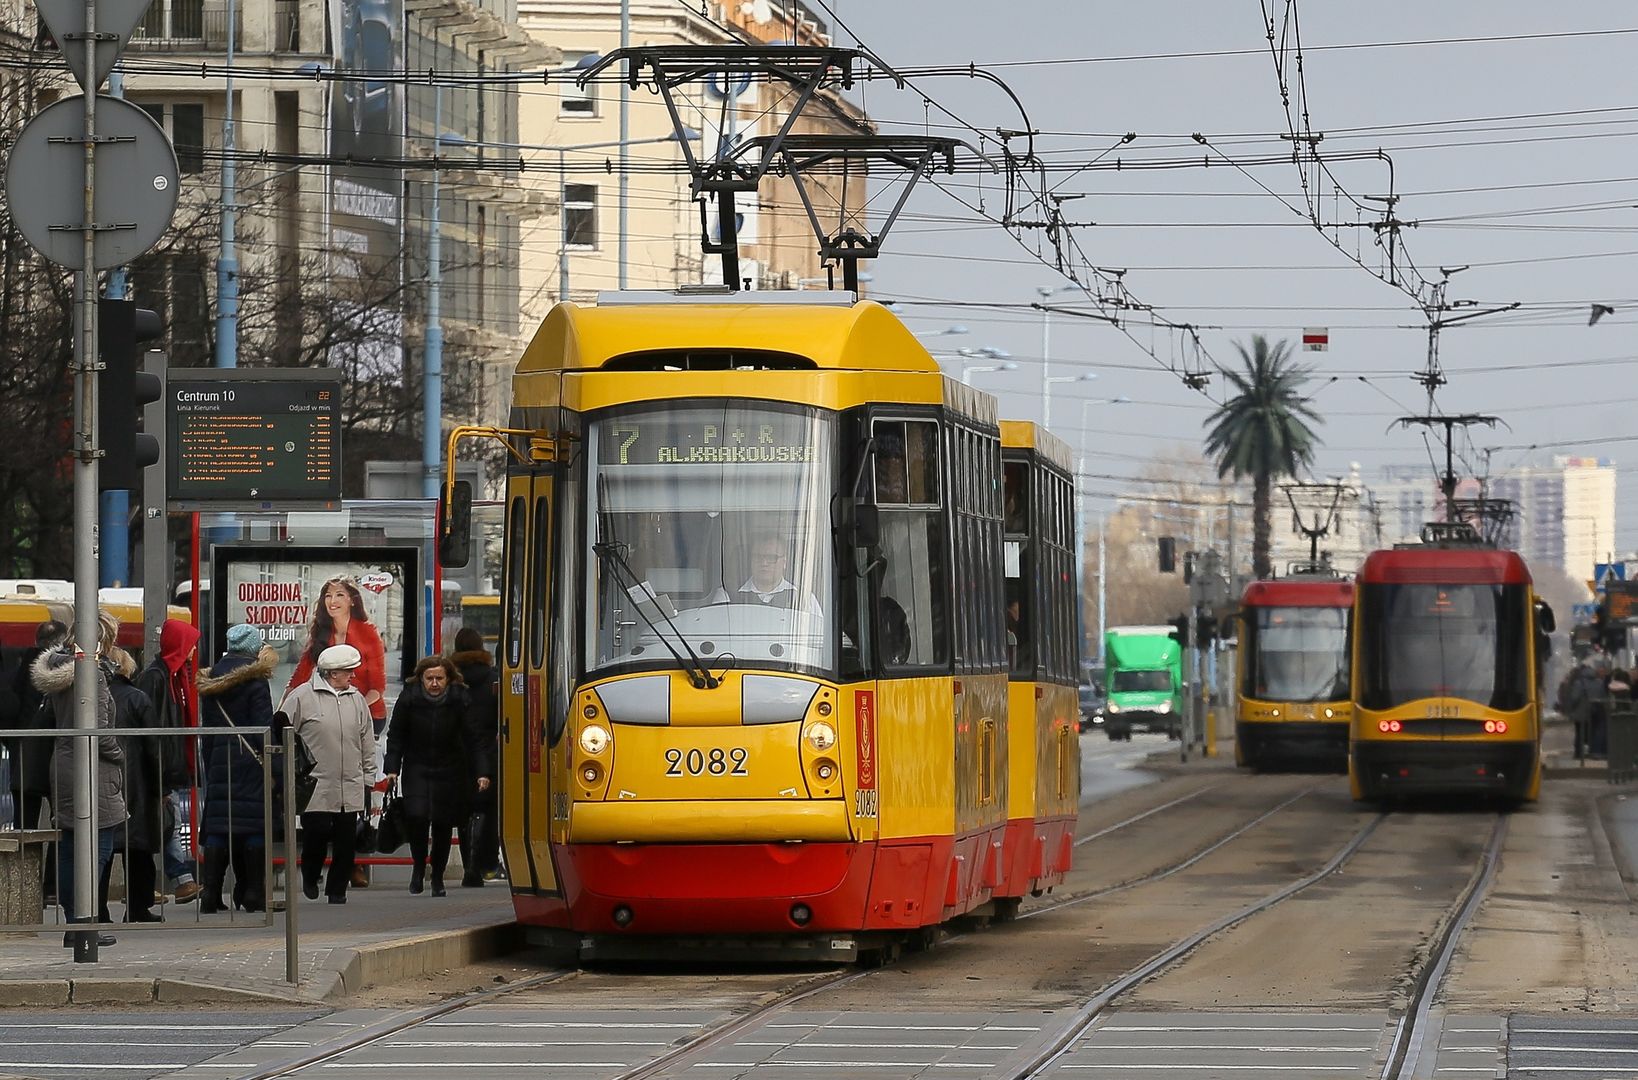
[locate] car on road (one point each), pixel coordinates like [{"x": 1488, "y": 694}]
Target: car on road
[{"x": 1092, "y": 705}]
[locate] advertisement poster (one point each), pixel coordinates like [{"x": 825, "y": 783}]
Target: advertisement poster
[{"x": 304, "y": 599}]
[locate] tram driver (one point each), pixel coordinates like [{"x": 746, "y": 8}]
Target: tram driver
[{"x": 767, "y": 584}]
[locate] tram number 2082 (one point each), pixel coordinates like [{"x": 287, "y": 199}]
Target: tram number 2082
[{"x": 717, "y": 761}]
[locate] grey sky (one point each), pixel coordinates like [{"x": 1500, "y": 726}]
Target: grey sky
[{"x": 1374, "y": 328}]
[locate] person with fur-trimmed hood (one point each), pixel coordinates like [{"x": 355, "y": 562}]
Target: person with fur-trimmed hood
[
  {"x": 235, "y": 694},
  {"x": 146, "y": 781},
  {"x": 53, "y": 674}
]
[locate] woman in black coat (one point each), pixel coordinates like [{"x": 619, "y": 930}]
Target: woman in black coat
[
  {"x": 143, "y": 835},
  {"x": 235, "y": 694},
  {"x": 433, "y": 743},
  {"x": 480, "y": 853}
]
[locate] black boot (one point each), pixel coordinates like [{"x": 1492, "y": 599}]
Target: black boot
[
  {"x": 212, "y": 875},
  {"x": 471, "y": 876},
  {"x": 418, "y": 876},
  {"x": 249, "y": 873}
]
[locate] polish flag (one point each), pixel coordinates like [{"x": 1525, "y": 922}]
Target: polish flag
[{"x": 1315, "y": 339}]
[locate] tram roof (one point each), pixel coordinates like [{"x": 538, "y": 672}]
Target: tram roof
[
  {"x": 1432, "y": 565},
  {"x": 1028, "y": 435},
  {"x": 830, "y": 332},
  {"x": 1297, "y": 592}
]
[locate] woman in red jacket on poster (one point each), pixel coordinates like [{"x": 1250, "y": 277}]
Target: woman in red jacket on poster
[{"x": 339, "y": 619}]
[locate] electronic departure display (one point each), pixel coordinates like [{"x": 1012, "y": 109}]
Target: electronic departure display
[{"x": 254, "y": 436}]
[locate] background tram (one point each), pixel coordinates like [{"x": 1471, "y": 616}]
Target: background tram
[
  {"x": 1448, "y": 645},
  {"x": 753, "y": 633},
  {"x": 1043, "y": 706},
  {"x": 1294, "y": 658}
]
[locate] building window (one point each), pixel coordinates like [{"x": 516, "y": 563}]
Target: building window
[
  {"x": 185, "y": 124},
  {"x": 575, "y": 100},
  {"x": 580, "y": 216}
]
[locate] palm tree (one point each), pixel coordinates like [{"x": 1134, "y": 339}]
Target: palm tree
[{"x": 1262, "y": 432}]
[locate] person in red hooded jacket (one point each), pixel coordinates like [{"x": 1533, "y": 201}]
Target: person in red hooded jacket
[{"x": 168, "y": 682}]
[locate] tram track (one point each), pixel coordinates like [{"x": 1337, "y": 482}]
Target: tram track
[
  {"x": 1413, "y": 1030},
  {"x": 1084, "y": 1017},
  {"x": 725, "y": 1031}
]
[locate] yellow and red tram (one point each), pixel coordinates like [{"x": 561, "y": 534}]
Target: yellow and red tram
[
  {"x": 1448, "y": 638},
  {"x": 753, "y": 634},
  {"x": 1043, "y": 704},
  {"x": 1294, "y": 701}
]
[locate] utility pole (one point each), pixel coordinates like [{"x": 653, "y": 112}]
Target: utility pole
[
  {"x": 625, "y": 137},
  {"x": 227, "y": 262},
  {"x": 432, "y": 360}
]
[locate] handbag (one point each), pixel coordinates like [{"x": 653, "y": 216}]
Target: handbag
[
  {"x": 391, "y": 833},
  {"x": 366, "y": 837}
]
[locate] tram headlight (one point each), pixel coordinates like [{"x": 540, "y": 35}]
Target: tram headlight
[
  {"x": 820, "y": 735},
  {"x": 1329, "y": 713},
  {"x": 1164, "y": 707},
  {"x": 1114, "y": 707},
  {"x": 594, "y": 738}
]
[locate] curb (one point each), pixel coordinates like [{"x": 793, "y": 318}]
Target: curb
[{"x": 344, "y": 973}]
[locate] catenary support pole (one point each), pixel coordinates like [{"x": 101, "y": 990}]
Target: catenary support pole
[
  {"x": 84, "y": 823},
  {"x": 227, "y": 262},
  {"x": 625, "y": 137},
  {"x": 432, "y": 360}
]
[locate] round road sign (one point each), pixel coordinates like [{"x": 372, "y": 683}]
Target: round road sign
[{"x": 136, "y": 182}]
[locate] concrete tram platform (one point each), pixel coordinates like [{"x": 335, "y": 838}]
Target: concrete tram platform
[{"x": 382, "y": 936}]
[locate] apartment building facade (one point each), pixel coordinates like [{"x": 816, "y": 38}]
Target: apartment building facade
[{"x": 574, "y": 134}]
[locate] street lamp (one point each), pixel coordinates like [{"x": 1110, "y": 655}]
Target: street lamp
[
  {"x": 1080, "y": 518},
  {"x": 979, "y": 369},
  {"x": 1047, "y": 292}
]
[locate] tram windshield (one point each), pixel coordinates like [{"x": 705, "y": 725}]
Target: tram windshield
[
  {"x": 1456, "y": 641},
  {"x": 1295, "y": 654},
  {"x": 710, "y": 526}
]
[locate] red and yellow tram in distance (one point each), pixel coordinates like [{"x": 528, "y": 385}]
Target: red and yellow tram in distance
[
  {"x": 1449, "y": 640},
  {"x": 754, "y": 637},
  {"x": 1294, "y": 656}
]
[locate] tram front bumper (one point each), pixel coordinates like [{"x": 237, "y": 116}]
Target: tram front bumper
[
  {"x": 1446, "y": 765},
  {"x": 1294, "y": 739}
]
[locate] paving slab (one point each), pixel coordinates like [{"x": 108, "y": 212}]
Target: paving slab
[{"x": 382, "y": 935}]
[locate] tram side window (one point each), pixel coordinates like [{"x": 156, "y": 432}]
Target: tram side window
[
  {"x": 560, "y": 672},
  {"x": 538, "y": 577},
  {"x": 1020, "y": 571},
  {"x": 515, "y": 552},
  {"x": 912, "y": 612}
]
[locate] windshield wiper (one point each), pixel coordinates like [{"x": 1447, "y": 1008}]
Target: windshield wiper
[{"x": 613, "y": 551}]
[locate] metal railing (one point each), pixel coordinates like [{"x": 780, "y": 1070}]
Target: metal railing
[
  {"x": 185, "y": 26},
  {"x": 272, "y": 759}
]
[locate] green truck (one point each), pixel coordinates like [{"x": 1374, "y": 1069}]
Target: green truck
[{"x": 1145, "y": 681}]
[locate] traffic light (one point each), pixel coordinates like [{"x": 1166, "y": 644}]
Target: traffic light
[
  {"x": 1205, "y": 631},
  {"x": 1180, "y": 630},
  {"x": 1168, "y": 555},
  {"x": 123, "y": 388}
]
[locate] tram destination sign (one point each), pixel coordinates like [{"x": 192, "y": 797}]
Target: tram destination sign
[{"x": 254, "y": 435}]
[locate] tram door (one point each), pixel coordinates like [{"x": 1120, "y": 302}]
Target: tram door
[{"x": 526, "y": 807}]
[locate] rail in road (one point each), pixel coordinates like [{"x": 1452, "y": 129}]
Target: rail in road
[
  {"x": 623, "y": 1025},
  {"x": 708, "y": 1039}
]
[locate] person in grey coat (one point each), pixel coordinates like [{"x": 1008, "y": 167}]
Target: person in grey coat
[
  {"x": 330, "y": 716},
  {"x": 53, "y": 675}
]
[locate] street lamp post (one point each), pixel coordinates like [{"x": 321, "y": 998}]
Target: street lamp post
[
  {"x": 1080, "y": 521},
  {"x": 227, "y": 261},
  {"x": 1047, "y": 292}
]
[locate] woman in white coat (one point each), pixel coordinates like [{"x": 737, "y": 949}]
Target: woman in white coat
[{"x": 331, "y": 717}]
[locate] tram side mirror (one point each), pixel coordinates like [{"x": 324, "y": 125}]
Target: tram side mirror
[
  {"x": 866, "y": 525},
  {"x": 455, "y": 526},
  {"x": 1545, "y": 617}
]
